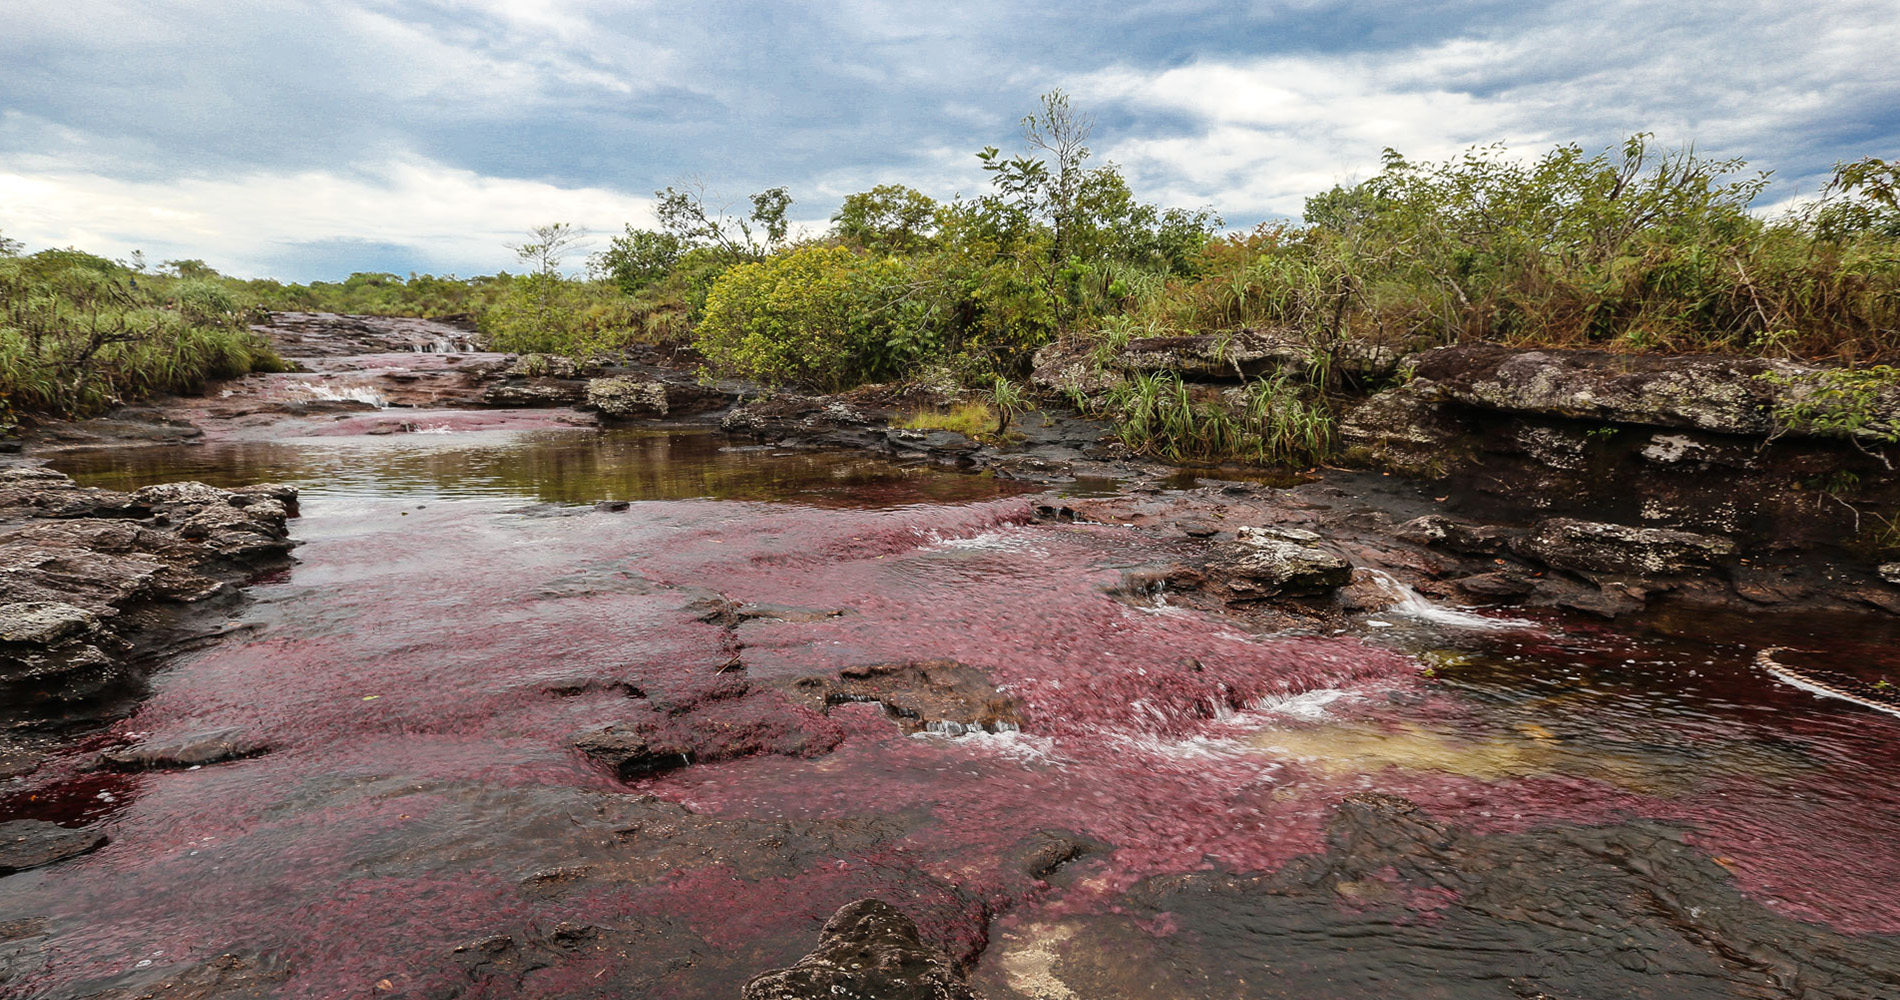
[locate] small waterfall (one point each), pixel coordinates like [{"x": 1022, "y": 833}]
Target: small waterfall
[
  {"x": 1412, "y": 604},
  {"x": 444, "y": 345},
  {"x": 354, "y": 394}
]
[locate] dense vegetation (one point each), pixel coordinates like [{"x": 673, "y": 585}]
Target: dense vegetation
[
  {"x": 1631, "y": 249},
  {"x": 80, "y": 333}
]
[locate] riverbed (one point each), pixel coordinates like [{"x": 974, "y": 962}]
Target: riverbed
[{"x": 901, "y": 682}]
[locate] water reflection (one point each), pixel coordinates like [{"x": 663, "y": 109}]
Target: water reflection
[{"x": 574, "y": 467}]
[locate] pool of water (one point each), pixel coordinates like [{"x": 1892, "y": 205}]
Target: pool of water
[{"x": 1600, "y": 811}]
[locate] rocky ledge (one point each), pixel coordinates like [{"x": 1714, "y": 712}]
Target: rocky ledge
[{"x": 95, "y": 584}]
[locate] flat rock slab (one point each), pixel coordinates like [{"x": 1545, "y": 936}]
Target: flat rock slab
[
  {"x": 194, "y": 750},
  {"x": 32, "y": 843}
]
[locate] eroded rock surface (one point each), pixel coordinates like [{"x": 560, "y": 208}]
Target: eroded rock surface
[
  {"x": 94, "y": 581},
  {"x": 868, "y": 950},
  {"x": 31, "y": 843}
]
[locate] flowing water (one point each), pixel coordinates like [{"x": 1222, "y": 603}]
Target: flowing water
[{"x": 1603, "y": 811}]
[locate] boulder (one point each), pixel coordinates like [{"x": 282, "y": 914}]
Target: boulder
[
  {"x": 627, "y": 397},
  {"x": 32, "y": 843},
  {"x": 867, "y": 949},
  {"x": 1595, "y": 547},
  {"x": 630, "y": 751},
  {"x": 1279, "y": 562}
]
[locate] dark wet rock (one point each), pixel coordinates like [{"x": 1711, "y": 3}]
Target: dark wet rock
[
  {"x": 227, "y": 977},
  {"x": 906, "y": 439},
  {"x": 1279, "y": 562},
  {"x": 1457, "y": 536},
  {"x": 1594, "y": 547},
  {"x": 868, "y": 949},
  {"x": 632, "y": 753},
  {"x": 1543, "y": 913},
  {"x": 787, "y": 613},
  {"x": 534, "y": 392},
  {"x": 30, "y": 843},
  {"x": 1047, "y": 851},
  {"x": 1500, "y": 585},
  {"x": 91, "y": 581},
  {"x": 612, "y": 506},
  {"x": 16, "y": 762},
  {"x": 1889, "y": 572},
  {"x": 919, "y": 695},
  {"x": 1198, "y": 529},
  {"x": 193, "y": 750}
]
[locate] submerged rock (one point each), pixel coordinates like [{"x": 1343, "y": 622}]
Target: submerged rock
[
  {"x": 31, "y": 843},
  {"x": 868, "y": 950},
  {"x": 231, "y": 743}
]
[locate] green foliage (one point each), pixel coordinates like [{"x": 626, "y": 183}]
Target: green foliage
[
  {"x": 639, "y": 259},
  {"x": 888, "y": 219},
  {"x": 818, "y": 316},
  {"x": 696, "y": 223},
  {"x": 1274, "y": 424},
  {"x": 78, "y": 333},
  {"x": 974, "y": 420},
  {"x": 1844, "y": 403}
]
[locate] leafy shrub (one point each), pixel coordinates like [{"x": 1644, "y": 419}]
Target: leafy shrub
[{"x": 818, "y": 316}]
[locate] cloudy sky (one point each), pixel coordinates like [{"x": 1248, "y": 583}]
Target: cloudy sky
[{"x": 309, "y": 140}]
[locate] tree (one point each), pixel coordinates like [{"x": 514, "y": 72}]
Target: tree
[
  {"x": 1035, "y": 186},
  {"x": 690, "y": 218},
  {"x": 550, "y": 245},
  {"x": 10, "y": 247},
  {"x": 639, "y": 258},
  {"x": 889, "y": 218}
]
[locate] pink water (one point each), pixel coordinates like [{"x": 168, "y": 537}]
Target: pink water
[{"x": 421, "y": 671}]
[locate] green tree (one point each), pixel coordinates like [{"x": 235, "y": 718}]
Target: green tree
[
  {"x": 640, "y": 258},
  {"x": 689, "y": 217},
  {"x": 818, "y": 316},
  {"x": 889, "y": 218}
]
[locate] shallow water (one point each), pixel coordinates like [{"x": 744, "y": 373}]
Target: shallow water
[{"x": 460, "y": 610}]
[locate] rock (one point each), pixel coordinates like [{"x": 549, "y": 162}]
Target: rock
[
  {"x": 630, "y": 754},
  {"x": 1595, "y": 547},
  {"x": 612, "y": 506},
  {"x": 31, "y": 843},
  {"x": 90, "y": 580},
  {"x": 1406, "y": 428},
  {"x": 1499, "y": 585},
  {"x": 45, "y": 623},
  {"x": 1889, "y": 572},
  {"x": 1711, "y": 393},
  {"x": 187, "y": 751},
  {"x": 1451, "y": 534},
  {"x": 1197, "y": 529},
  {"x": 623, "y": 398},
  {"x": 533, "y": 392},
  {"x": 868, "y": 949},
  {"x": 922, "y": 694},
  {"x": 1279, "y": 562}
]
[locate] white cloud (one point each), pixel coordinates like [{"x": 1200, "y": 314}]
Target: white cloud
[
  {"x": 455, "y": 219},
  {"x": 1737, "y": 79}
]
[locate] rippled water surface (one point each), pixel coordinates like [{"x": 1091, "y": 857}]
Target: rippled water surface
[{"x": 1602, "y": 811}]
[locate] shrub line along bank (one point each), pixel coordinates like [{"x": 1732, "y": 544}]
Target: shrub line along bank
[{"x": 1634, "y": 250}]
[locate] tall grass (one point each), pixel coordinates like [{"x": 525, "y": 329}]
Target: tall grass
[
  {"x": 1274, "y": 422},
  {"x": 79, "y": 334}
]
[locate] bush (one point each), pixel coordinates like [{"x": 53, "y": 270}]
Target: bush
[{"x": 824, "y": 317}]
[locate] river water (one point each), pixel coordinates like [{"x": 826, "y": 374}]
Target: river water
[{"x": 1601, "y": 811}]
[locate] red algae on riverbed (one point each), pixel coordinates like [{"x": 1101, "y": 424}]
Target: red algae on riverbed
[{"x": 422, "y": 819}]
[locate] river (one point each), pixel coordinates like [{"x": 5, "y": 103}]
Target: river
[{"x": 1142, "y": 800}]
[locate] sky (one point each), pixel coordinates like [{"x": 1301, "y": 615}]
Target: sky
[{"x": 306, "y": 141}]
